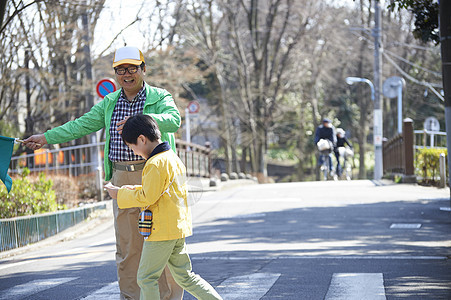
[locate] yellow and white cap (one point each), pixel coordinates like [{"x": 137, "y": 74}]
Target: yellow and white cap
[{"x": 128, "y": 55}]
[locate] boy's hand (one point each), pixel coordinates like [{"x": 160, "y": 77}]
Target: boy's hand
[{"x": 112, "y": 190}]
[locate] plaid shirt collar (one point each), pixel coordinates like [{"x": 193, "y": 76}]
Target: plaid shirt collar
[{"x": 138, "y": 96}]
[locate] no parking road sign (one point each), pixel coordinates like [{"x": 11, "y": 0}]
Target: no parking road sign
[
  {"x": 105, "y": 86},
  {"x": 193, "y": 107}
]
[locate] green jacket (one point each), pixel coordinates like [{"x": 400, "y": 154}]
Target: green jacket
[{"x": 159, "y": 104}]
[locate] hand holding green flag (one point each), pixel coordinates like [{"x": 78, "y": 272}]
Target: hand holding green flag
[{"x": 6, "y": 151}]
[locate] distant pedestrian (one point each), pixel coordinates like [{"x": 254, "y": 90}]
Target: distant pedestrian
[
  {"x": 166, "y": 221},
  {"x": 326, "y": 131},
  {"x": 341, "y": 142}
]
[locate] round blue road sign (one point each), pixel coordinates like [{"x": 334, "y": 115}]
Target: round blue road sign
[{"x": 105, "y": 86}]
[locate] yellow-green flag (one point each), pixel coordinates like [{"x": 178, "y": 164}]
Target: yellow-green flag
[{"x": 6, "y": 151}]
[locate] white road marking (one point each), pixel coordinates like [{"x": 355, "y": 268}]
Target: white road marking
[
  {"x": 30, "y": 288},
  {"x": 249, "y": 287},
  {"x": 203, "y": 231},
  {"x": 256, "y": 215},
  {"x": 348, "y": 257},
  {"x": 108, "y": 292},
  {"x": 356, "y": 286},
  {"x": 405, "y": 226}
]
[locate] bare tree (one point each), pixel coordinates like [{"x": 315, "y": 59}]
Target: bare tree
[
  {"x": 261, "y": 37},
  {"x": 48, "y": 42}
]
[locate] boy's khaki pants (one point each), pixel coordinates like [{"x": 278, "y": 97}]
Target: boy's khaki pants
[
  {"x": 129, "y": 245},
  {"x": 157, "y": 256}
]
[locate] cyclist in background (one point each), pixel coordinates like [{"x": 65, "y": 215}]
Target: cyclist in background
[
  {"x": 341, "y": 141},
  {"x": 326, "y": 131}
]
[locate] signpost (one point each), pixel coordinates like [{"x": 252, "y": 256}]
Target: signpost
[
  {"x": 193, "y": 107},
  {"x": 191, "y": 110},
  {"x": 105, "y": 86},
  {"x": 392, "y": 88},
  {"x": 432, "y": 125}
]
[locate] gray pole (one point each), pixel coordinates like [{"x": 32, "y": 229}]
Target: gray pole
[
  {"x": 400, "y": 107},
  {"x": 87, "y": 58},
  {"x": 90, "y": 101},
  {"x": 445, "y": 42},
  {"x": 378, "y": 125}
]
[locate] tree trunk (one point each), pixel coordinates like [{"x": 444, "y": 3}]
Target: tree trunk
[
  {"x": 225, "y": 135},
  {"x": 2, "y": 11}
]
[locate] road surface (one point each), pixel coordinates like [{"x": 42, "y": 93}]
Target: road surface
[{"x": 311, "y": 240}]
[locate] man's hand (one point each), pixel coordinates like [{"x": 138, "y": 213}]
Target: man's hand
[
  {"x": 120, "y": 125},
  {"x": 111, "y": 189},
  {"x": 35, "y": 141}
]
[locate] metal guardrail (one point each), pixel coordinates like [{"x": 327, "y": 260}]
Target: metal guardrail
[
  {"x": 77, "y": 160},
  {"x": 72, "y": 161},
  {"x": 21, "y": 231},
  {"x": 430, "y": 139}
]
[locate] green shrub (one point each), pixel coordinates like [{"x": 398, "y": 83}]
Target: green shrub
[
  {"x": 427, "y": 163},
  {"x": 27, "y": 196}
]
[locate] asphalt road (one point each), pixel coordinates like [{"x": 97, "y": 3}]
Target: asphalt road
[{"x": 313, "y": 240}]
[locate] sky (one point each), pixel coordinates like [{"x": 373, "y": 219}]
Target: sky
[{"x": 116, "y": 15}]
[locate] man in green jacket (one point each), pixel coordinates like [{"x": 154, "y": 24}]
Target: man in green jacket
[{"x": 122, "y": 166}]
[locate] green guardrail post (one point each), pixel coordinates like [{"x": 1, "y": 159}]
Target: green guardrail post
[{"x": 16, "y": 234}]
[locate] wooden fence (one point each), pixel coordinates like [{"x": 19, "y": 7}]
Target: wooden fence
[{"x": 398, "y": 154}]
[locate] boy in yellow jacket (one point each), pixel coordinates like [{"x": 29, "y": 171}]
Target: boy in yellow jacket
[{"x": 164, "y": 194}]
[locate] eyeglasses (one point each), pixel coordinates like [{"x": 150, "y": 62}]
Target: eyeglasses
[{"x": 131, "y": 70}]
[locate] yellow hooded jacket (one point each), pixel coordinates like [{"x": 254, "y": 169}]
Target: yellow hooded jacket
[{"x": 164, "y": 192}]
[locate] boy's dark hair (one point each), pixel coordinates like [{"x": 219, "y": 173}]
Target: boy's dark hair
[{"x": 140, "y": 124}]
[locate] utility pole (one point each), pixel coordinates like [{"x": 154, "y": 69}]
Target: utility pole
[
  {"x": 87, "y": 57},
  {"x": 95, "y": 157},
  {"x": 28, "y": 120},
  {"x": 378, "y": 123},
  {"x": 445, "y": 42}
]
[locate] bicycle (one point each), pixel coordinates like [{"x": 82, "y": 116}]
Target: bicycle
[{"x": 325, "y": 149}]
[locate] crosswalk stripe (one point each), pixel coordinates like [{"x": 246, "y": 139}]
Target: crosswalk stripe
[
  {"x": 356, "y": 286},
  {"x": 343, "y": 286},
  {"x": 108, "y": 292},
  {"x": 249, "y": 287},
  {"x": 30, "y": 288},
  {"x": 319, "y": 257}
]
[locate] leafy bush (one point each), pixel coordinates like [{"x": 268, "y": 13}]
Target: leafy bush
[
  {"x": 427, "y": 163},
  {"x": 27, "y": 196}
]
